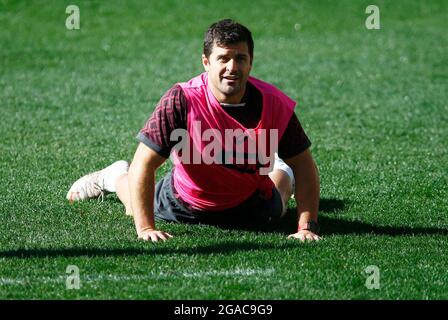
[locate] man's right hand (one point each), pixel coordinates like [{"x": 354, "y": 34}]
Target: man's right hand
[{"x": 153, "y": 235}]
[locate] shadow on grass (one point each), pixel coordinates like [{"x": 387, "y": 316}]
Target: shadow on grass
[
  {"x": 225, "y": 247},
  {"x": 330, "y": 225}
]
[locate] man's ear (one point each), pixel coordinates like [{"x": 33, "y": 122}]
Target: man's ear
[{"x": 205, "y": 62}]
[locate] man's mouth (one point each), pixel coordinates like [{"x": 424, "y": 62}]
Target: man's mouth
[{"x": 231, "y": 78}]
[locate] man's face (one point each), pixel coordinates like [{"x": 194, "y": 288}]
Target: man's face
[{"x": 228, "y": 68}]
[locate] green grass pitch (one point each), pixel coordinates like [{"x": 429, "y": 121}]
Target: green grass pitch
[{"x": 373, "y": 102}]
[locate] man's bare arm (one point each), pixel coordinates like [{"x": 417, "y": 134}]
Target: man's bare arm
[
  {"x": 141, "y": 187},
  {"x": 307, "y": 191}
]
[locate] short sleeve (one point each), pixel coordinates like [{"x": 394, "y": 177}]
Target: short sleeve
[
  {"x": 169, "y": 114},
  {"x": 294, "y": 140}
]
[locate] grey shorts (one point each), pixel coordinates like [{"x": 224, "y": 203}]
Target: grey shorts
[{"x": 254, "y": 213}]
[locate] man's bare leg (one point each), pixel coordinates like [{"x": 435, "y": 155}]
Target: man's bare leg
[
  {"x": 284, "y": 185},
  {"x": 123, "y": 194}
]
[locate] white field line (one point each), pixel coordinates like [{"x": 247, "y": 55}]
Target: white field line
[{"x": 150, "y": 276}]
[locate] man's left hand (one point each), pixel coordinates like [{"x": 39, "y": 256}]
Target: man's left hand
[{"x": 305, "y": 235}]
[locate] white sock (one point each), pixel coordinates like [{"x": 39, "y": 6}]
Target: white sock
[{"x": 111, "y": 174}]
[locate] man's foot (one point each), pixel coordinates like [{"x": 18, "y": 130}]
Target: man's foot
[{"x": 96, "y": 184}]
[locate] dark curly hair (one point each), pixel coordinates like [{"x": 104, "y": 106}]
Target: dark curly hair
[{"x": 225, "y": 32}]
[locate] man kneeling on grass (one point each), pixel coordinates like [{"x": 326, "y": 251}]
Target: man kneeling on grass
[{"x": 222, "y": 129}]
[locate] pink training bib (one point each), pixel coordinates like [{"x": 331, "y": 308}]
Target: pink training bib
[{"x": 222, "y": 163}]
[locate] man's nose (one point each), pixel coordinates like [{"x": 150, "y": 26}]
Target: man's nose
[{"x": 231, "y": 65}]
